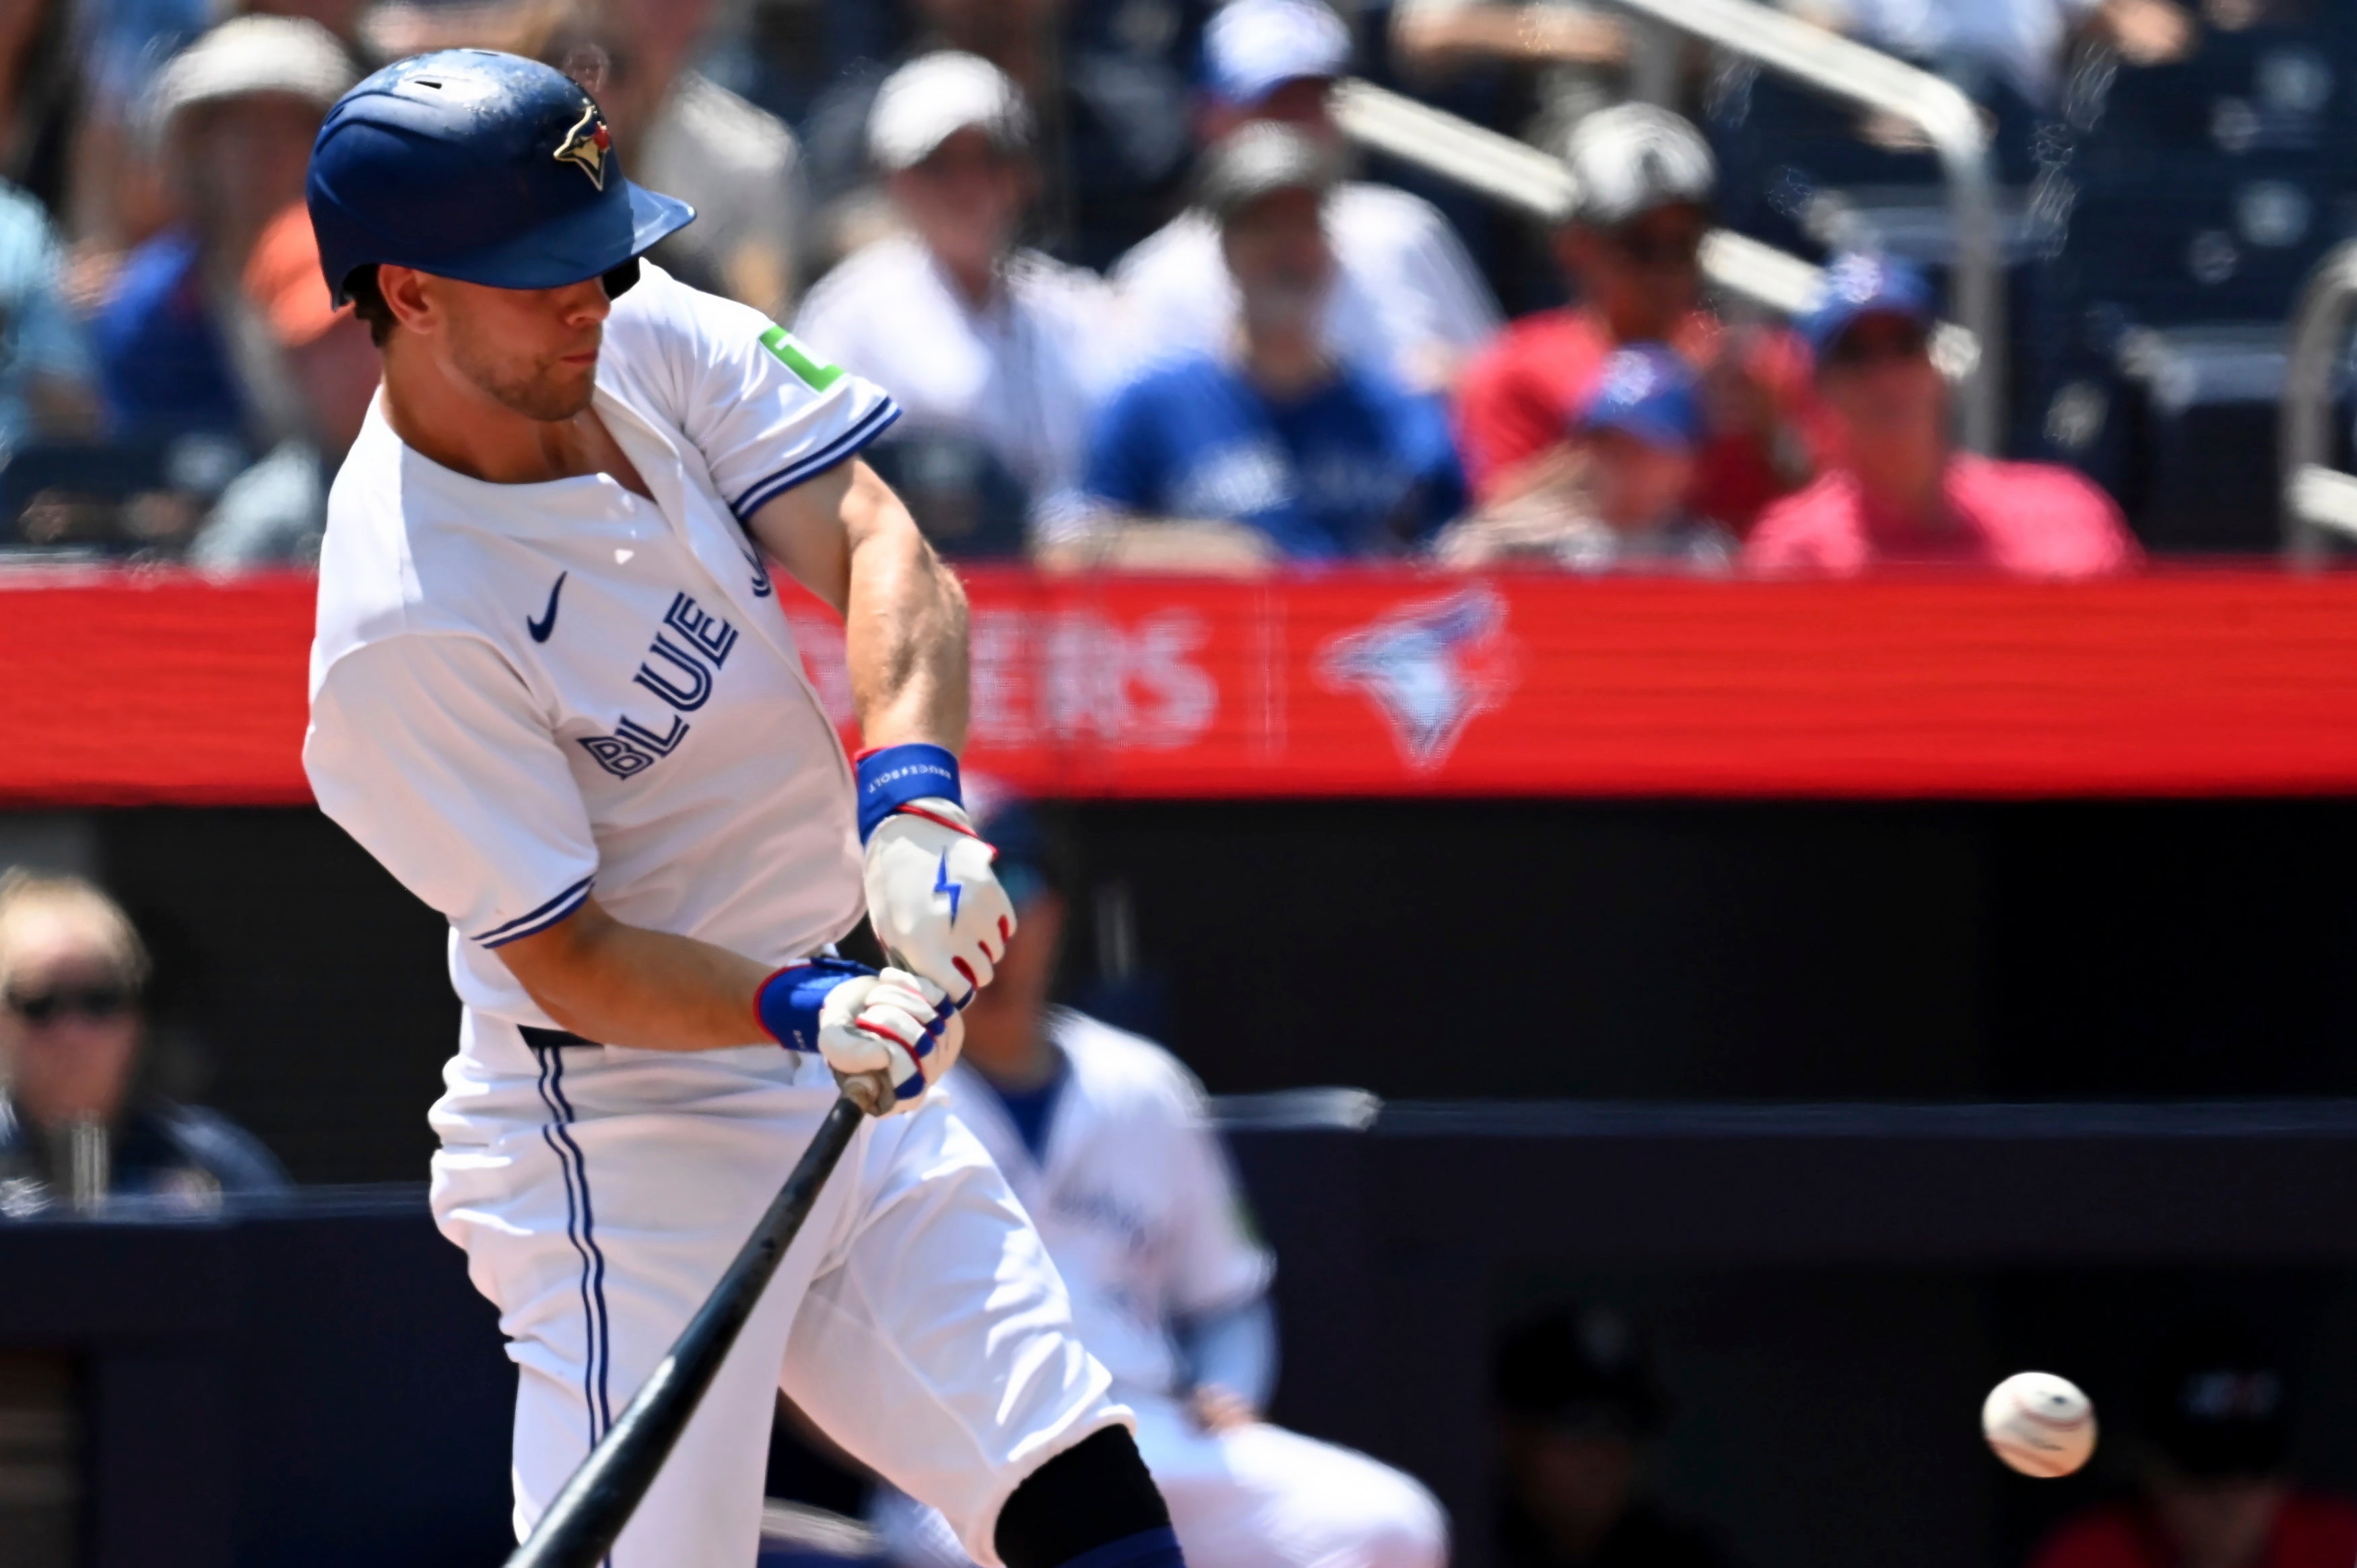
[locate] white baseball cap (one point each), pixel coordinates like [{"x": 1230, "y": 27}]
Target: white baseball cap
[
  {"x": 1633, "y": 158},
  {"x": 1254, "y": 46},
  {"x": 935, "y": 96},
  {"x": 248, "y": 55}
]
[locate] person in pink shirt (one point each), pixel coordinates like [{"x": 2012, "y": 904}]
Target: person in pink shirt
[{"x": 1897, "y": 494}]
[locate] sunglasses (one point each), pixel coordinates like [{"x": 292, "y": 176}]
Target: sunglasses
[{"x": 97, "y": 1004}]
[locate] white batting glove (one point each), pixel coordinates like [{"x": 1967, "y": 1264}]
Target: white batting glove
[
  {"x": 892, "y": 1023},
  {"x": 933, "y": 898},
  {"x": 890, "y": 1029}
]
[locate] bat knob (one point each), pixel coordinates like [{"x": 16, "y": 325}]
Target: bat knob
[{"x": 871, "y": 1091}]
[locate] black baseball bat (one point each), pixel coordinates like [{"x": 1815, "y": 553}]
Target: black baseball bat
[{"x": 580, "y": 1526}]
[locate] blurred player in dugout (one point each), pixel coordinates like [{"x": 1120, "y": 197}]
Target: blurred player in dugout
[
  {"x": 75, "y": 1122},
  {"x": 1577, "y": 1404},
  {"x": 1104, "y": 1136},
  {"x": 2215, "y": 1486}
]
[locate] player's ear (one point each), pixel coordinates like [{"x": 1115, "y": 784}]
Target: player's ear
[{"x": 409, "y": 295}]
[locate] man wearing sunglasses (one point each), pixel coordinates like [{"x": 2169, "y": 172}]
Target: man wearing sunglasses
[
  {"x": 1898, "y": 494},
  {"x": 1631, "y": 248},
  {"x": 72, "y": 1122}
]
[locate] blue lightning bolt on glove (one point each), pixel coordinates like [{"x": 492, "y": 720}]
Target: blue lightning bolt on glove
[
  {"x": 932, "y": 896},
  {"x": 891, "y": 1025}
]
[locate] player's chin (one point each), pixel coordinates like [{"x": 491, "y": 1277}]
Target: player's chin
[{"x": 559, "y": 392}]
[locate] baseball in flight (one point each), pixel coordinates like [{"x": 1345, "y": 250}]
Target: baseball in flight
[{"x": 2040, "y": 1424}]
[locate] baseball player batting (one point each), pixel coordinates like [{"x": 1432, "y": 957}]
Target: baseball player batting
[{"x": 552, "y": 692}]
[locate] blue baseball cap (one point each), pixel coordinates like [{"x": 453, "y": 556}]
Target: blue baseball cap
[
  {"x": 1254, "y": 46},
  {"x": 1647, "y": 391},
  {"x": 478, "y": 166},
  {"x": 1857, "y": 286}
]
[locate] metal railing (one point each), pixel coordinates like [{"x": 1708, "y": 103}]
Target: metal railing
[
  {"x": 2318, "y": 499},
  {"x": 1825, "y": 61},
  {"x": 1520, "y": 176}
]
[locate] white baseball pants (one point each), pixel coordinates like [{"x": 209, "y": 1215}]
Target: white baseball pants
[{"x": 599, "y": 1193}]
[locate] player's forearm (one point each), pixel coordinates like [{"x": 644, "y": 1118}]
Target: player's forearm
[
  {"x": 904, "y": 628},
  {"x": 624, "y": 985},
  {"x": 848, "y": 538}
]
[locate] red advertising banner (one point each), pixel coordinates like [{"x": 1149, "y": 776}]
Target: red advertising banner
[{"x": 168, "y": 688}]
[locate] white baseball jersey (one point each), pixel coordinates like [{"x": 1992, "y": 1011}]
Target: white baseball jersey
[
  {"x": 523, "y": 692},
  {"x": 520, "y": 692},
  {"x": 1132, "y": 1194},
  {"x": 1406, "y": 299}
]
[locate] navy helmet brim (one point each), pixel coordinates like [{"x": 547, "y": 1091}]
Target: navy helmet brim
[{"x": 581, "y": 244}]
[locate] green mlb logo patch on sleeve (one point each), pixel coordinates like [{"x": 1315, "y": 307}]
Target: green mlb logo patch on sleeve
[{"x": 806, "y": 367}]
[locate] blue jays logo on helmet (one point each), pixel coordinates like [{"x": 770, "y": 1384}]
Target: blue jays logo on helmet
[
  {"x": 586, "y": 146},
  {"x": 478, "y": 166}
]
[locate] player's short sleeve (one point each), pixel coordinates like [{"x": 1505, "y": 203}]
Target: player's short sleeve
[
  {"x": 766, "y": 410},
  {"x": 1218, "y": 1260},
  {"x": 430, "y": 750}
]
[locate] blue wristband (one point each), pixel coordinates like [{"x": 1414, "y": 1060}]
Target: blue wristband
[
  {"x": 892, "y": 775},
  {"x": 788, "y": 1003}
]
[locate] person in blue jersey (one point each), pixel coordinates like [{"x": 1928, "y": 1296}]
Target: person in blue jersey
[{"x": 1273, "y": 451}]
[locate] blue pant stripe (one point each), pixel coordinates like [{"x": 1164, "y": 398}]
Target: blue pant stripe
[
  {"x": 560, "y": 1144},
  {"x": 603, "y": 1330}
]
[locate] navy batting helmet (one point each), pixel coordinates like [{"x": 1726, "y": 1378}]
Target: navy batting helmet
[{"x": 478, "y": 166}]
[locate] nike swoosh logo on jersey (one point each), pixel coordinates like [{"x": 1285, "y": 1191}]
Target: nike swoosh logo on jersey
[{"x": 548, "y": 622}]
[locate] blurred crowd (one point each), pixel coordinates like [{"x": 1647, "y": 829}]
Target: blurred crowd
[{"x": 1114, "y": 258}]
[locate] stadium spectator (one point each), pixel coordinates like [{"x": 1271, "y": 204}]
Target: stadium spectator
[
  {"x": 1112, "y": 145},
  {"x": 1577, "y": 1401},
  {"x": 2217, "y": 1487},
  {"x": 1104, "y": 1138},
  {"x": 683, "y": 134},
  {"x": 74, "y": 1121},
  {"x": 1407, "y": 303},
  {"x": 1276, "y": 449},
  {"x": 178, "y": 346},
  {"x": 1632, "y": 249},
  {"x": 2027, "y": 43},
  {"x": 48, "y": 390},
  {"x": 276, "y": 509},
  {"x": 1897, "y": 493},
  {"x": 41, "y": 96},
  {"x": 1619, "y": 501},
  {"x": 996, "y": 354},
  {"x": 113, "y": 199}
]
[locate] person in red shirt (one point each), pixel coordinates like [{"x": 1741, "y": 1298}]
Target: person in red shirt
[
  {"x": 1897, "y": 493},
  {"x": 1631, "y": 248},
  {"x": 2218, "y": 1491}
]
